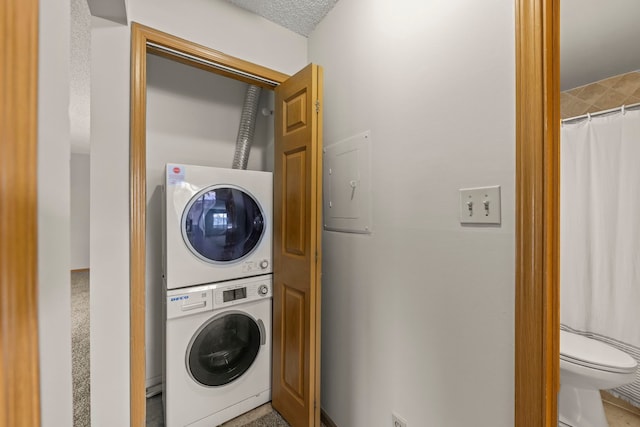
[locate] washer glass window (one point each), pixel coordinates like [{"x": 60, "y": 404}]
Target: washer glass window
[
  {"x": 223, "y": 349},
  {"x": 222, "y": 224}
]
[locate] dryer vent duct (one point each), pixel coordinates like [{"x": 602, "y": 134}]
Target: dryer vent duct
[{"x": 247, "y": 127}]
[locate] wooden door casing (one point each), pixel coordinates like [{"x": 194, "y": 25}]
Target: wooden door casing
[
  {"x": 537, "y": 310},
  {"x": 19, "y": 346}
]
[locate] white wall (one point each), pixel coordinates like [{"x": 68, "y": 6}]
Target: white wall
[
  {"x": 213, "y": 23},
  {"x": 54, "y": 292},
  {"x": 204, "y": 133},
  {"x": 109, "y": 297},
  {"x": 80, "y": 191},
  {"x": 418, "y": 318}
]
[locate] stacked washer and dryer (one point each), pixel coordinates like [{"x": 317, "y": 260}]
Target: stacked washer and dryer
[{"x": 218, "y": 289}]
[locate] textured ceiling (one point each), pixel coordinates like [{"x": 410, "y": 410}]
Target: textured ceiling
[{"x": 300, "y": 16}]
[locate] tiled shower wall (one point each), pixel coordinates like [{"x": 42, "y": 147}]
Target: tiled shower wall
[{"x": 623, "y": 89}]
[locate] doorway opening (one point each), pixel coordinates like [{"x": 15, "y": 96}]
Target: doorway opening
[{"x": 149, "y": 41}]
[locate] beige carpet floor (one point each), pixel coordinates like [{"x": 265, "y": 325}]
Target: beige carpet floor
[{"x": 80, "y": 348}]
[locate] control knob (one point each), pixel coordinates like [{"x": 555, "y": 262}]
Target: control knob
[
  {"x": 264, "y": 264},
  {"x": 263, "y": 290}
]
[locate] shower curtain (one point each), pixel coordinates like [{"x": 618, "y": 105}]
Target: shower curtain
[{"x": 600, "y": 233}]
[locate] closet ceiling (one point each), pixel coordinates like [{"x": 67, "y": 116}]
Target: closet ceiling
[{"x": 599, "y": 39}]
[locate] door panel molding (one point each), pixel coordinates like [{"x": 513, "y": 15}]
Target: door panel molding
[
  {"x": 537, "y": 324},
  {"x": 294, "y": 230},
  {"x": 146, "y": 40},
  {"x": 19, "y": 358},
  {"x": 292, "y": 339}
]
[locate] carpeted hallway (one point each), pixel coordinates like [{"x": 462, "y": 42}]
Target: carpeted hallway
[{"x": 80, "y": 348}]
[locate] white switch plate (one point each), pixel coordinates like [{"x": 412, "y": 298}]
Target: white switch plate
[
  {"x": 480, "y": 205},
  {"x": 397, "y": 421}
]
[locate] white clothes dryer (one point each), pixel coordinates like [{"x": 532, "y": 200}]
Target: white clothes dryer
[
  {"x": 217, "y": 351},
  {"x": 217, "y": 224}
]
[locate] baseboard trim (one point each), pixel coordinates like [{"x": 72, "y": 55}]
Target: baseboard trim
[
  {"x": 79, "y": 270},
  {"x": 620, "y": 403},
  {"x": 324, "y": 417},
  {"x": 153, "y": 390}
]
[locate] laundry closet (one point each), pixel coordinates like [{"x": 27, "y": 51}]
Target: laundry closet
[{"x": 193, "y": 117}]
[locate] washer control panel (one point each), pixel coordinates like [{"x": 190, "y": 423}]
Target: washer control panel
[
  {"x": 185, "y": 302},
  {"x": 241, "y": 291},
  {"x": 263, "y": 290},
  {"x": 214, "y": 296}
]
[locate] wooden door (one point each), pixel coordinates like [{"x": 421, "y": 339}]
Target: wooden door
[{"x": 296, "y": 248}]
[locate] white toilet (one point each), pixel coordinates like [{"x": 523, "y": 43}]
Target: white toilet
[{"x": 586, "y": 367}]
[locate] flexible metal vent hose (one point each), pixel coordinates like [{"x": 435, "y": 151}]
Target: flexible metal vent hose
[{"x": 247, "y": 127}]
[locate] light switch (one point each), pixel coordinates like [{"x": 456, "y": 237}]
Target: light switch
[
  {"x": 480, "y": 205},
  {"x": 344, "y": 180}
]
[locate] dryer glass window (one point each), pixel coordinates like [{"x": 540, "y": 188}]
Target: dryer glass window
[
  {"x": 224, "y": 349},
  {"x": 222, "y": 224}
]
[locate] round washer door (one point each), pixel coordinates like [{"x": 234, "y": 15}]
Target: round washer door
[
  {"x": 222, "y": 224},
  {"x": 224, "y": 348}
]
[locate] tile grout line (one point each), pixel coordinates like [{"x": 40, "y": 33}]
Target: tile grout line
[{"x": 622, "y": 408}]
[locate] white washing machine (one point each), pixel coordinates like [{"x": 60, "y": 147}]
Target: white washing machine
[
  {"x": 217, "y": 224},
  {"x": 217, "y": 351}
]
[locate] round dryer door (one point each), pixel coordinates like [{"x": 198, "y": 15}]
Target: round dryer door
[
  {"x": 222, "y": 224},
  {"x": 224, "y": 348}
]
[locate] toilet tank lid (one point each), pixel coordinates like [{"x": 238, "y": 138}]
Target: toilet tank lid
[{"x": 586, "y": 351}]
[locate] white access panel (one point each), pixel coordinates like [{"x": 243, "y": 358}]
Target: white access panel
[{"x": 347, "y": 185}]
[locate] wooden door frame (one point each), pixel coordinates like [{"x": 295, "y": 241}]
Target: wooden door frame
[
  {"x": 537, "y": 321},
  {"x": 193, "y": 55},
  {"x": 19, "y": 359}
]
